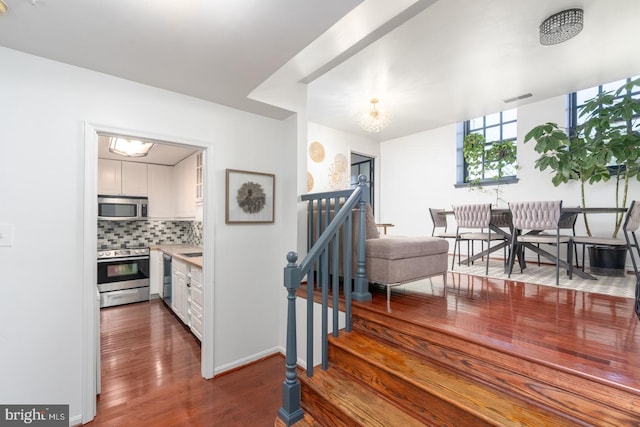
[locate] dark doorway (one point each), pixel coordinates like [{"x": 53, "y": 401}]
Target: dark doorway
[{"x": 363, "y": 165}]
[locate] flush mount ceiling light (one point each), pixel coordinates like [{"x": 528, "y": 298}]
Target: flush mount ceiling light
[
  {"x": 375, "y": 119},
  {"x": 561, "y": 26},
  {"x": 3, "y": 8},
  {"x": 129, "y": 147}
]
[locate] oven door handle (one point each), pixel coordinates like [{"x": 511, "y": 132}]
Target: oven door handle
[{"x": 133, "y": 258}]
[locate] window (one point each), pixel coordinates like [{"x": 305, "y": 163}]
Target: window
[
  {"x": 579, "y": 98},
  {"x": 494, "y": 128}
]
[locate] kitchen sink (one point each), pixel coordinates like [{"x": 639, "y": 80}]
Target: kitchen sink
[{"x": 192, "y": 254}]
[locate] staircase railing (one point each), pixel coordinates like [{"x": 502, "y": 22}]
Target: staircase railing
[{"x": 329, "y": 214}]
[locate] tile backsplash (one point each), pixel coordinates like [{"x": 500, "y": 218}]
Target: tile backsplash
[{"x": 144, "y": 233}]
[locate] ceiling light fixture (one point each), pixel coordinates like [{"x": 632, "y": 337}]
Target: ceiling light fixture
[
  {"x": 561, "y": 26},
  {"x": 374, "y": 120},
  {"x": 129, "y": 147},
  {"x": 3, "y": 8}
]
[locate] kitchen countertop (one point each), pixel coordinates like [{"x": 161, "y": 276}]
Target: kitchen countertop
[{"x": 177, "y": 252}]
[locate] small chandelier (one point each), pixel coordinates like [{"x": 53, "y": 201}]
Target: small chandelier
[
  {"x": 561, "y": 26},
  {"x": 374, "y": 120},
  {"x": 129, "y": 147}
]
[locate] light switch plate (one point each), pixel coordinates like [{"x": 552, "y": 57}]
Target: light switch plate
[{"x": 6, "y": 234}]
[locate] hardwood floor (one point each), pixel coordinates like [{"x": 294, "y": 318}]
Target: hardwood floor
[
  {"x": 151, "y": 376},
  {"x": 151, "y": 363},
  {"x": 571, "y": 353},
  {"x": 595, "y": 334}
]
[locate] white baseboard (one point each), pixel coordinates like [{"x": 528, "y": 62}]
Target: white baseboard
[
  {"x": 246, "y": 360},
  {"x": 76, "y": 420}
]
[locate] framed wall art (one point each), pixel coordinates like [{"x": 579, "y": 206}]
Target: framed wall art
[{"x": 250, "y": 197}]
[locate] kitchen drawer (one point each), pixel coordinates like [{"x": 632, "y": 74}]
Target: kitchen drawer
[
  {"x": 196, "y": 274},
  {"x": 179, "y": 266},
  {"x": 196, "y": 321},
  {"x": 196, "y": 294},
  {"x": 124, "y": 296}
]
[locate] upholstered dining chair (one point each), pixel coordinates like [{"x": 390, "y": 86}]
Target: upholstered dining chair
[
  {"x": 440, "y": 224},
  {"x": 567, "y": 222},
  {"x": 473, "y": 225},
  {"x": 629, "y": 227},
  {"x": 530, "y": 219}
]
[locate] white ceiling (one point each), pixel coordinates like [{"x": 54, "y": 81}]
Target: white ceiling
[
  {"x": 218, "y": 50},
  {"x": 431, "y": 63},
  {"x": 162, "y": 152}
]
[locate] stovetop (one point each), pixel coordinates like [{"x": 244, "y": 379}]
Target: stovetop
[{"x": 105, "y": 252}]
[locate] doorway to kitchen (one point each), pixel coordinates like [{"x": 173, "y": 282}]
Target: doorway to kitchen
[{"x": 200, "y": 221}]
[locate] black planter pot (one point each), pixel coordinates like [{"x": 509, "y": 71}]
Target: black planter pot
[{"x": 608, "y": 260}]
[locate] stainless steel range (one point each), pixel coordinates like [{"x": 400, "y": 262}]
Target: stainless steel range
[{"x": 123, "y": 276}]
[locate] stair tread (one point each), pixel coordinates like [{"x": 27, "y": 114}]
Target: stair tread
[
  {"x": 364, "y": 405},
  {"x": 569, "y": 392},
  {"x": 482, "y": 400}
]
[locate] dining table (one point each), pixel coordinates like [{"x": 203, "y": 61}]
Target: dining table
[{"x": 501, "y": 224}]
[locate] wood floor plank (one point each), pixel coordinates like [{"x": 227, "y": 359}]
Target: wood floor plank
[{"x": 151, "y": 376}]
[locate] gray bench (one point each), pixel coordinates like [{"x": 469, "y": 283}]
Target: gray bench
[{"x": 394, "y": 261}]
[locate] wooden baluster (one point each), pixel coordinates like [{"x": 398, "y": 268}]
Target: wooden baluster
[
  {"x": 361, "y": 291},
  {"x": 290, "y": 412}
]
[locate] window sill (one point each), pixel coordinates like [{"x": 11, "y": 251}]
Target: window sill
[{"x": 489, "y": 182}]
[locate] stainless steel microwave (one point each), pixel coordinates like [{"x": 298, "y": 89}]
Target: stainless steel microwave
[{"x": 122, "y": 207}]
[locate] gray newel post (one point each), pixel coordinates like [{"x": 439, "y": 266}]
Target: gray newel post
[
  {"x": 361, "y": 283},
  {"x": 290, "y": 412}
]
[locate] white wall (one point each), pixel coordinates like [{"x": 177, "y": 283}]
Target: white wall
[
  {"x": 418, "y": 172},
  {"x": 44, "y": 105},
  {"x": 336, "y": 142}
]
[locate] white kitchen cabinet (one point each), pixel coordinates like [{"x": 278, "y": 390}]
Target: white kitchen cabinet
[
  {"x": 185, "y": 188},
  {"x": 117, "y": 178},
  {"x": 134, "y": 179},
  {"x": 179, "y": 290},
  {"x": 109, "y": 177},
  {"x": 155, "y": 272},
  {"x": 160, "y": 180},
  {"x": 199, "y": 186},
  {"x": 196, "y": 302},
  {"x": 199, "y": 177}
]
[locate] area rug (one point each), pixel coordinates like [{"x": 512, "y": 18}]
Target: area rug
[{"x": 546, "y": 275}]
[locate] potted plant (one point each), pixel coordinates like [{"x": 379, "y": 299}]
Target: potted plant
[
  {"x": 570, "y": 158},
  {"x": 608, "y": 136},
  {"x": 493, "y": 161},
  {"x": 613, "y": 130}
]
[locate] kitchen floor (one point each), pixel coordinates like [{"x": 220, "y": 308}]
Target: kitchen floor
[{"x": 151, "y": 376}]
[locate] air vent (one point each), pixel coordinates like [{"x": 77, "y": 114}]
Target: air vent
[{"x": 526, "y": 95}]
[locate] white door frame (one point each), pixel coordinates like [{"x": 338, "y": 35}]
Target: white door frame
[{"x": 90, "y": 331}]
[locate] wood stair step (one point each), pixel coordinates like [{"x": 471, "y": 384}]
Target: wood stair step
[
  {"x": 570, "y": 392},
  {"x": 333, "y": 398},
  {"x": 437, "y": 395}
]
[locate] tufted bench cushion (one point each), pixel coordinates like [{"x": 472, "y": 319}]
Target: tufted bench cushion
[{"x": 405, "y": 247}]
